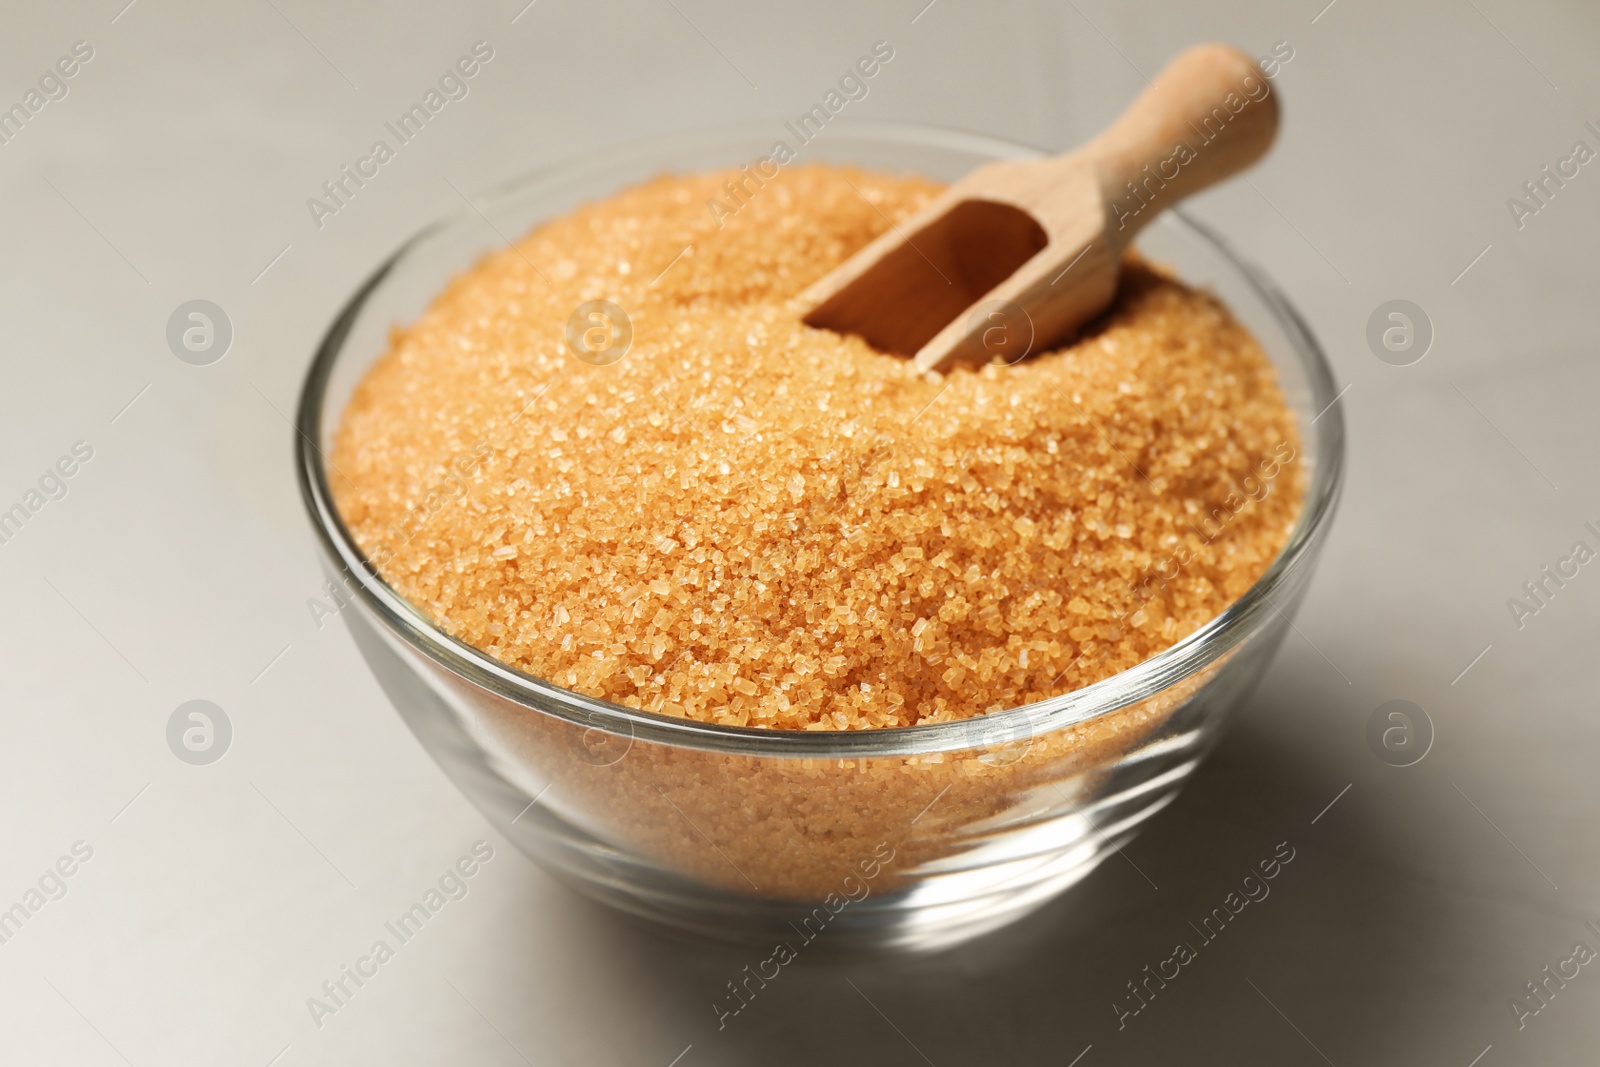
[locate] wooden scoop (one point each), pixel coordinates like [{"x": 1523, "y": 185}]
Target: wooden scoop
[{"x": 1016, "y": 256}]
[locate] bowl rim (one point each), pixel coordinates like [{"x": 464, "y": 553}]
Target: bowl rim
[{"x": 1166, "y": 668}]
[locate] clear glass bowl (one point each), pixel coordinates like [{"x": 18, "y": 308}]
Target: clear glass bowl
[{"x": 909, "y": 838}]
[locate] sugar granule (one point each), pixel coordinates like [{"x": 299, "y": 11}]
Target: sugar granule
[{"x": 751, "y": 522}]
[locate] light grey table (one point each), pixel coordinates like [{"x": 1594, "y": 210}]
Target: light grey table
[{"x": 216, "y": 899}]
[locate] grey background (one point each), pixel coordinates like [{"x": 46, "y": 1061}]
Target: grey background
[{"x": 178, "y": 567}]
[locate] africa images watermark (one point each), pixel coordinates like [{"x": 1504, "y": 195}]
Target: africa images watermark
[
  {"x": 453, "y": 884},
  {"x": 1541, "y": 189},
  {"x": 453, "y": 85},
  {"x": 1251, "y": 90},
  {"x": 52, "y": 485},
  {"x": 199, "y": 732},
  {"x": 852, "y": 890},
  {"x": 852, "y": 86},
  {"x": 1540, "y": 590},
  {"x": 1400, "y": 733},
  {"x": 51, "y": 886},
  {"x": 52, "y": 85},
  {"x": 1252, "y": 889},
  {"x": 1553, "y": 980}
]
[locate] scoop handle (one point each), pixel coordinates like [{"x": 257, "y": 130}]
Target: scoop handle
[{"x": 1209, "y": 114}]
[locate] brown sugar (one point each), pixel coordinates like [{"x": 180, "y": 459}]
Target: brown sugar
[{"x": 751, "y": 522}]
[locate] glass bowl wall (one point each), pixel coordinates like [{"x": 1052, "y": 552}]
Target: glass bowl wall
[{"x": 910, "y": 838}]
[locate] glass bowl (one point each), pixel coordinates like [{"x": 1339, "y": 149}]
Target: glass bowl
[{"x": 912, "y": 838}]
